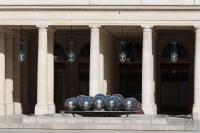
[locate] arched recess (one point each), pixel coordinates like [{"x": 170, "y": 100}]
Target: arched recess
[
  {"x": 83, "y": 69},
  {"x": 174, "y": 81},
  {"x": 60, "y": 75},
  {"x": 130, "y": 72}
]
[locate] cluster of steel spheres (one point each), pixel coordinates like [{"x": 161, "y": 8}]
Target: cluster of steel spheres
[{"x": 101, "y": 102}]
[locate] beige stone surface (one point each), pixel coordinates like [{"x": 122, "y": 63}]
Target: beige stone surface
[
  {"x": 50, "y": 73},
  {"x": 148, "y": 88},
  {"x": 94, "y": 61},
  {"x": 9, "y": 73},
  {"x": 41, "y": 107},
  {"x": 196, "y": 106},
  {"x": 2, "y": 71}
]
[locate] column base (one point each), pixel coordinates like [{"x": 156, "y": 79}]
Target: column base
[
  {"x": 41, "y": 109},
  {"x": 150, "y": 110},
  {"x": 9, "y": 109},
  {"x": 51, "y": 109},
  {"x": 17, "y": 108},
  {"x": 196, "y": 112},
  {"x": 2, "y": 110}
]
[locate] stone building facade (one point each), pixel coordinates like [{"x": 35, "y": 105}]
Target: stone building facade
[{"x": 44, "y": 79}]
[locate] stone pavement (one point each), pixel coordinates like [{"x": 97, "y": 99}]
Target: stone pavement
[
  {"x": 84, "y": 131},
  {"x": 112, "y": 124}
]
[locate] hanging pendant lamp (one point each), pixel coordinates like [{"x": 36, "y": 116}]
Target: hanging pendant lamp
[
  {"x": 122, "y": 54},
  {"x": 174, "y": 51},
  {"x": 21, "y": 55},
  {"x": 71, "y": 54}
]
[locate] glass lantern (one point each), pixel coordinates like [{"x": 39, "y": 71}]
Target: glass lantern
[
  {"x": 174, "y": 57},
  {"x": 122, "y": 57},
  {"x": 174, "y": 53},
  {"x": 21, "y": 56},
  {"x": 71, "y": 56}
]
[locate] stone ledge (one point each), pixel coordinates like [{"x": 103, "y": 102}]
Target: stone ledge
[{"x": 133, "y": 122}]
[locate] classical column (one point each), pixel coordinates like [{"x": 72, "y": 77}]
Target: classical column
[
  {"x": 196, "y": 105},
  {"x": 41, "y": 107},
  {"x": 148, "y": 88},
  {"x": 17, "y": 77},
  {"x": 9, "y": 73},
  {"x": 94, "y": 60},
  {"x": 51, "y": 105},
  {"x": 2, "y": 72}
]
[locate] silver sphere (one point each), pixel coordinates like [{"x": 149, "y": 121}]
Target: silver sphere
[
  {"x": 101, "y": 95},
  {"x": 79, "y": 97},
  {"x": 108, "y": 96},
  {"x": 70, "y": 104},
  {"x": 98, "y": 103},
  {"x": 112, "y": 104},
  {"x": 120, "y": 99},
  {"x": 130, "y": 104},
  {"x": 85, "y": 103},
  {"x": 119, "y": 96}
]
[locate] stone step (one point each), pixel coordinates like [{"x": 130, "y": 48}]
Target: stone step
[{"x": 132, "y": 122}]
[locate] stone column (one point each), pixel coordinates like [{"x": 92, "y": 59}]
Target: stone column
[
  {"x": 9, "y": 73},
  {"x": 2, "y": 72},
  {"x": 94, "y": 60},
  {"x": 148, "y": 88},
  {"x": 196, "y": 105},
  {"x": 41, "y": 107},
  {"x": 17, "y": 77},
  {"x": 51, "y": 105}
]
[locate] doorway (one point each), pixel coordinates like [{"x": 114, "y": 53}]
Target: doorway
[{"x": 174, "y": 89}]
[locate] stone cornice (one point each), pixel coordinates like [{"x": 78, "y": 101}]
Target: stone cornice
[{"x": 101, "y": 7}]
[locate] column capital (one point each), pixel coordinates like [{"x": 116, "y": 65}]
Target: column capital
[
  {"x": 95, "y": 26},
  {"x": 42, "y": 26},
  {"x": 196, "y": 28},
  {"x": 147, "y": 28}
]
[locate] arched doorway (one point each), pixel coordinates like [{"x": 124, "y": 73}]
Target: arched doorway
[
  {"x": 70, "y": 80},
  {"x": 130, "y": 72},
  {"x": 174, "y": 80}
]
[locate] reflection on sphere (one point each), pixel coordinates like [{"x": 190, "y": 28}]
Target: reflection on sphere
[
  {"x": 130, "y": 104},
  {"x": 70, "y": 104},
  {"x": 85, "y": 103},
  {"x": 98, "y": 103},
  {"x": 112, "y": 104}
]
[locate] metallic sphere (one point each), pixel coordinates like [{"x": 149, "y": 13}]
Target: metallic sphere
[
  {"x": 130, "y": 104},
  {"x": 70, "y": 104},
  {"x": 108, "y": 96},
  {"x": 79, "y": 97},
  {"x": 119, "y": 100},
  {"x": 112, "y": 104},
  {"x": 101, "y": 95},
  {"x": 119, "y": 96},
  {"x": 98, "y": 103},
  {"x": 85, "y": 103}
]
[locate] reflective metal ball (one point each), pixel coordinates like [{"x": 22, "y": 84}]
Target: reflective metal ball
[
  {"x": 120, "y": 99},
  {"x": 130, "y": 104},
  {"x": 98, "y": 103},
  {"x": 79, "y": 97},
  {"x": 119, "y": 96},
  {"x": 70, "y": 104},
  {"x": 112, "y": 104},
  {"x": 85, "y": 103},
  {"x": 101, "y": 95}
]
